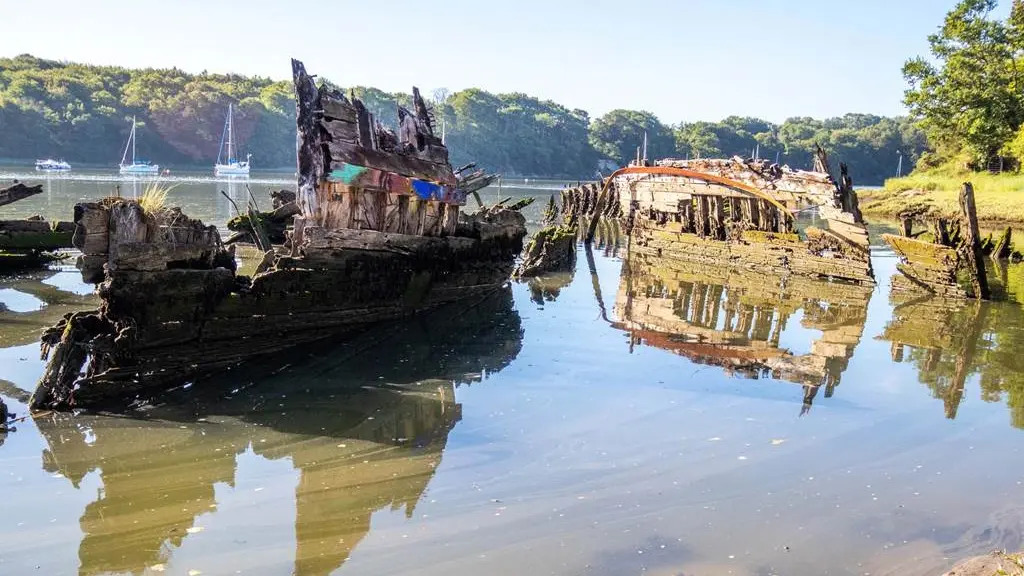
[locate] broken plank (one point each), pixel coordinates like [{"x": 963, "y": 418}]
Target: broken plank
[{"x": 18, "y": 191}]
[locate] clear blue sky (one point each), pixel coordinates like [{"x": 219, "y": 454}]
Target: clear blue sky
[{"x": 683, "y": 59}]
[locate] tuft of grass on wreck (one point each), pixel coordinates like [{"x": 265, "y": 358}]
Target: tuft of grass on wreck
[{"x": 154, "y": 198}]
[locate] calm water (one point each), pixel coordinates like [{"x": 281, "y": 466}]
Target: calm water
[{"x": 625, "y": 419}]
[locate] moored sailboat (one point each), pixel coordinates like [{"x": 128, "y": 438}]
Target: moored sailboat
[
  {"x": 137, "y": 167},
  {"x": 233, "y": 167}
]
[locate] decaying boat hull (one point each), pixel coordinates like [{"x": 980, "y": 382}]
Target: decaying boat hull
[
  {"x": 732, "y": 213},
  {"x": 31, "y": 242},
  {"x": 377, "y": 236},
  {"x": 949, "y": 263}
]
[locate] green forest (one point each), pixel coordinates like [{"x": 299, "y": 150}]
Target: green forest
[{"x": 83, "y": 113}]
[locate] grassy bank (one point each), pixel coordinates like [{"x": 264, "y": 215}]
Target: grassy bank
[{"x": 1000, "y": 198}]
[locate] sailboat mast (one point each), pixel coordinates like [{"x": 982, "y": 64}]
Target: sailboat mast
[
  {"x": 133, "y": 140},
  {"x": 127, "y": 144},
  {"x": 231, "y": 153}
]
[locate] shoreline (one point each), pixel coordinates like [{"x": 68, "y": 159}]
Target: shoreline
[{"x": 1000, "y": 198}]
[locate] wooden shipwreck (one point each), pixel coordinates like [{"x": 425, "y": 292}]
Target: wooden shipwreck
[
  {"x": 379, "y": 236},
  {"x": 738, "y": 213},
  {"x": 945, "y": 256},
  {"x": 31, "y": 242},
  {"x": 734, "y": 320}
]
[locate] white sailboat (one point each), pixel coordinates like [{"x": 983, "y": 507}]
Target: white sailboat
[
  {"x": 233, "y": 167},
  {"x": 137, "y": 167}
]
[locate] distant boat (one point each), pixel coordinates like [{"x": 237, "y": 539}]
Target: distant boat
[
  {"x": 140, "y": 167},
  {"x": 51, "y": 165},
  {"x": 233, "y": 167}
]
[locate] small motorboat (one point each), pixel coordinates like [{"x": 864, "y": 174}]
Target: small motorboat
[{"x": 51, "y": 165}]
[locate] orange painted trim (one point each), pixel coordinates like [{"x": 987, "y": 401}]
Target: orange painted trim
[{"x": 672, "y": 171}]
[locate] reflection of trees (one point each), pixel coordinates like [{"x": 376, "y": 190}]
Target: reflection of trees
[
  {"x": 950, "y": 341},
  {"x": 734, "y": 320},
  {"x": 365, "y": 423},
  {"x": 548, "y": 287}
]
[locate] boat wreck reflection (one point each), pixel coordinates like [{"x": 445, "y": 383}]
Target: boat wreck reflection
[
  {"x": 364, "y": 431},
  {"x": 735, "y": 320},
  {"x": 949, "y": 341}
]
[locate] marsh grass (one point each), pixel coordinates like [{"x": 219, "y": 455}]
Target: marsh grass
[
  {"x": 1000, "y": 198},
  {"x": 154, "y": 198}
]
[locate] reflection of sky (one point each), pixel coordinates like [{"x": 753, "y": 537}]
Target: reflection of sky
[
  {"x": 581, "y": 454},
  {"x": 19, "y": 301}
]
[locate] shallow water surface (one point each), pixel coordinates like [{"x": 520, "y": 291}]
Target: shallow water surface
[{"x": 633, "y": 417}]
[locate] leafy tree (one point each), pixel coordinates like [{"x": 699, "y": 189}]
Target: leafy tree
[
  {"x": 619, "y": 133},
  {"x": 969, "y": 97}
]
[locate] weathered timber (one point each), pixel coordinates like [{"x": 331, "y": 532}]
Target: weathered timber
[
  {"x": 377, "y": 235},
  {"x": 18, "y": 191},
  {"x": 35, "y": 235},
  {"x": 971, "y": 246},
  {"x": 952, "y": 263},
  {"x": 552, "y": 249},
  {"x": 173, "y": 306},
  {"x": 1003, "y": 248},
  {"x": 309, "y": 149},
  {"x": 274, "y": 223},
  {"x": 725, "y": 201}
]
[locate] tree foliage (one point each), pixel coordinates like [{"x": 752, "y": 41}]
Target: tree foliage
[
  {"x": 83, "y": 113},
  {"x": 968, "y": 95}
]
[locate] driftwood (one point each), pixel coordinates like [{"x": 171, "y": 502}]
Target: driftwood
[{"x": 18, "y": 191}]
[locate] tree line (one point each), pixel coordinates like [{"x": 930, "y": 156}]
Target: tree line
[
  {"x": 969, "y": 94},
  {"x": 83, "y": 113}
]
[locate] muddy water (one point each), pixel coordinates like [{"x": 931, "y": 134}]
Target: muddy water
[{"x": 625, "y": 419}]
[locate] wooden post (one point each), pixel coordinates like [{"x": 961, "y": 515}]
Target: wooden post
[
  {"x": 598, "y": 209},
  {"x": 309, "y": 150},
  {"x": 906, "y": 226},
  {"x": 971, "y": 246},
  {"x": 1003, "y": 247},
  {"x": 755, "y": 213},
  {"x": 717, "y": 218},
  {"x": 701, "y": 220}
]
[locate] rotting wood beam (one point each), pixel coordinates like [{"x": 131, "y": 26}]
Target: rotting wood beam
[
  {"x": 18, "y": 191},
  {"x": 971, "y": 245}
]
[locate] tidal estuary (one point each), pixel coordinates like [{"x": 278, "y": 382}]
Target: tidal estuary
[{"x": 630, "y": 418}]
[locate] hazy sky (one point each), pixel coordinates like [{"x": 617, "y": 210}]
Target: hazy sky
[{"x": 683, "y": 59}]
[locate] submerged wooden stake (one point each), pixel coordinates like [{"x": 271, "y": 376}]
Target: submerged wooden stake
[
  {"x": 972, "y": 243},
  {"x": 592, "y": 228}
]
